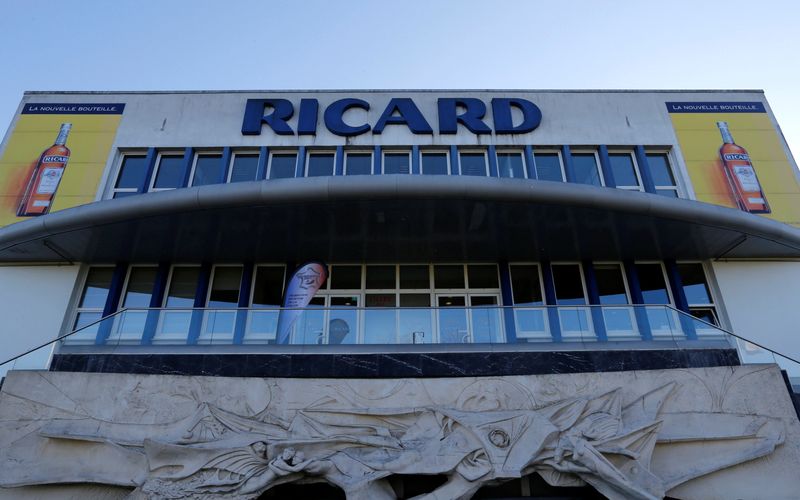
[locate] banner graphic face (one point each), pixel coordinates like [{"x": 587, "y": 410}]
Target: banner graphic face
[
  {"x": 55, "y": 157},
  {"x": 736, "y": 158},
  {"x": 305, "y": 282}
]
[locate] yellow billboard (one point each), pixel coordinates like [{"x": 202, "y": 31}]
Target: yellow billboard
[
  {"x": 55, "y": 157},
  {"x": 735, "y": 157}
]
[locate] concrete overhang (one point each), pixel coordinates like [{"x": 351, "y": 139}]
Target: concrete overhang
[{"x": 395, "y": 218}]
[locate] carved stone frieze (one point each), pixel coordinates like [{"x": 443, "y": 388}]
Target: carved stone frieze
[{"x": 628, "y": 435}]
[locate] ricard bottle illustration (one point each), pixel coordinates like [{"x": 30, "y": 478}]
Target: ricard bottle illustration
[
  {"x": 741, "y": 175},
  {"x": 46, "y": 177}
]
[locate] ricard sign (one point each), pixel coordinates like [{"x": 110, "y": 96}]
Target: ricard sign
[{"x": 468, "y": 112}]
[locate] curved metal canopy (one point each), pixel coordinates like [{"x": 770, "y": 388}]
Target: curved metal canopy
[{"x": 395, "y": 218}]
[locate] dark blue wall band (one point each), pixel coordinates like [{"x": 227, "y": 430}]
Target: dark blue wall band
[
  {"x": 605, "y": 165},
  {"x": 156, "y": 302},
  {"x": 377, "y": 161},
  {"x": 188, "y": 158},
  {"x": 300, "y": 168},
  {"x": 594, "y": 299},
  {"x": 678, "y": 294},
  {"x": 150, "y": 159},
  {"x": 644, "y": 170},
  {"x": 569, "y": 168},
  {"x": 240, "y": 324},
  {"x": 261, "y": 169},
  {"x": 550, "y": 300},
  {"x": 112, "y": 301},
  {"x": 454, "y": 168},
  {"x": 642, "y": 323},
  {"x": 339, "y": 165},
  {"x": 226, "y": 165},
  {"x": 508, "y": 301},
  {"x": 201, "y": 292},
  {"x": 530, "y": 165},
  {"x": 493, "y": 172},
  {"x": 415, "y": 168}
]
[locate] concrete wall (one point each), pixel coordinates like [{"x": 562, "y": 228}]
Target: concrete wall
[
  {"x": 762, "y": 300},
  {"x": 33, "y": 302}
]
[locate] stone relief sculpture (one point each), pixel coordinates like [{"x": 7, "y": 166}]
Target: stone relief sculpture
[{"x": 617, "y": 447}]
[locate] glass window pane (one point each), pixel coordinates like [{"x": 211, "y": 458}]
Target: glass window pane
[
  {"x": 380, "y": 277},
  {"x": 123, "y": 194},
  {"x": 320, "y": 165},
  {"x": 414, "y": 277},
  {"x": 610, "y": 284},
  {"x": 141, "y": 282},
  {"x": 208, "y": 169},
  {"x": 510, "y": 165},
  {"x": 282, "y": 166},
  {"x": 170, "y": 172},
  {"x": 569, "y": 285},
  {"x": 380, "y": 300},
  {"x": 670, "y": 193},
  {"x": 482, "y": 276},
  {"x": 448, "y": 276},
  {"x": 659, "y": 169},
  {"x": 526, "y": 286},
  {"x": 244, "y": 168},
  {"x": 346, "y": 277},
  {"x": 95, "y": 291},
  {"x": 396, "y": 163},
  {"x": 268, "y": 289},
  {"x": 183, "y": 286},
  {"x": 434, "y": 163},
  {"x": 585, "y": 166},
  {"x": 548, "y": 167},
  {"x": 472, "y": 164},
  {"x": 651, "y": 281},
  {"x": 225, "y": 287},
  {"x": 623, "y": 169},
  {"x": 358, "y": 164},
  {"x": 693, "y": 279},
  {"x": 415, "y": 300},
  {"x": 132, "y": 173}
]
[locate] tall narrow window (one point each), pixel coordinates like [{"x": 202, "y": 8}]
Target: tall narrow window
[
  {"x": 472, "y": 163},
  {"x": 282, "y": 165},
  {"x": 548, "y": 166},
  {"x": 94, "y": 296},
  {"x": 623, "y": 167},
  {"x": 653, "y": 283},
  {"x": 396, "y": 163},
  {"x": 132, "y": 175},
  {"x": 435, "y": 163},
  {"x": 526, "y": 285},
  {"x": 139, "y": 288},
  {"x": 510, "y": 164},
  {"x": 662, "y": 175},
  {"x": 320, "y": 164},
  {"x": 697, "y": 292},
  {"x": 169, "y": 172},
  {"x": 569, "y": 284},
  {"x": 207, "y": 169},
  {"x": 225, "y": 285},
  {"x": 243, "y": 167},
  {"x": 586, "y": 169},
  {"x": 182, "y": 287},
  {"x": 358, "y": 164}
]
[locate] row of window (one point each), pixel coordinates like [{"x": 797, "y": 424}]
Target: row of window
[
  {"x": 443, "y": 285},
  {"x": 584, "y": 166}
]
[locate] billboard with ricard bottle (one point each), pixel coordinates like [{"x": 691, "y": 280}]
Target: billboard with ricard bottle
[
  {"x": 55, "y": 157},
  {"x": 736, "y": 158}
]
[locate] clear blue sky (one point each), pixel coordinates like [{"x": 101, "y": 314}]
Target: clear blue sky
[{"x": 199, "y": 44}]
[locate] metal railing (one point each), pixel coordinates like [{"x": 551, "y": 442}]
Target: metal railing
[{"x": 553, "y": 327}]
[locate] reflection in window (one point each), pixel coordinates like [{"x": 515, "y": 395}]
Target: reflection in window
[
  {"x": 93, "y": 299},
  {"x": 652, "y": 283},
  {"x": 282, "y": 165},
  {"x": 358, "y": 164},
  {"x": 132, "y": 175},
  {"x": 169, "y": 172},
  {"x": 268, "y": 287},
  {"x": 472, "y": 164},
  {"x": 225, "y": 287},
  {"x": 320, "y": 164},
  {"x": 434, "y": 164},
  {"x": 510, "y": 165},
  {"x": 182, "y": 286},
  {"x": 586, "y": 170},
  {"x": 244, "y": 167},
  {"x": 610, "y": 284},
  {"x": 568, "y": 284},
  {"x": 139, "y": 290},
  {"x": 525, "y": 285},
  {"x": 662, "y": 174},
  {"x": 548, "y": 167},
  {"x": 207, "y": 170},
  {"x": 624, "y": 170},
  {"x": 396, "y": 163}
]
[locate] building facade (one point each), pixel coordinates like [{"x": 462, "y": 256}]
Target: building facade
[{"x": 392, "y": 294}]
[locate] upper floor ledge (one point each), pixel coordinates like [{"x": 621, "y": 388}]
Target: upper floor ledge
[{"x": 390, "y": 217}]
